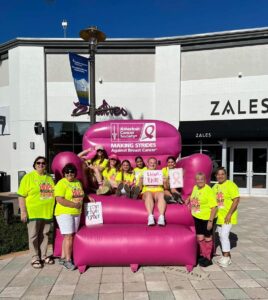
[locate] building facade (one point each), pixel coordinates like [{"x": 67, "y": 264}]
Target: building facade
[{"x": 212, "y": 87}]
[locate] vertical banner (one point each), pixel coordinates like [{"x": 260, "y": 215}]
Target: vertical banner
[
  {"x": 79, "y": 67},
  {"x": 175, "y": 178}
]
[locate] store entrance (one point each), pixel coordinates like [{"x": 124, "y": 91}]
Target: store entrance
[{"x": 248, "y": 168}]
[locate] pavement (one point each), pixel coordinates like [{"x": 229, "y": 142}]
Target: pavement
[{"x": 245, "y": 278}]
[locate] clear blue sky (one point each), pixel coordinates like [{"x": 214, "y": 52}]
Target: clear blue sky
[{"x": 128, "y": 19}]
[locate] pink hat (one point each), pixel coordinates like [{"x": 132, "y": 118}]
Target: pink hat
[
  {"x": 99, "y": 147},
  {"x": 113, "y": 156}
]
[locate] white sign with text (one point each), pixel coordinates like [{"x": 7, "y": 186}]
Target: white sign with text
[{"x": 153, "y": 177}]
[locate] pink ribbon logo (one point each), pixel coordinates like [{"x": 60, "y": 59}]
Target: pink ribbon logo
[{"x": 149, "y": 130}]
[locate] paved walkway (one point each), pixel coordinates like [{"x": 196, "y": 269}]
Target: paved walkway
[{"x": 246, "y": 278}]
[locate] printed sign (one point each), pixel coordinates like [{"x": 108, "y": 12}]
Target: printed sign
[
  {"x": 93, "y": 213},
  {"x": 133, "y": 137},
  {"x": 153, "y": 177},
  {"x": 175, "y": 178}
]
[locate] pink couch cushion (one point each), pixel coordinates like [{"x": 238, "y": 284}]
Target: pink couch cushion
[{"x": 118, "y": 244}]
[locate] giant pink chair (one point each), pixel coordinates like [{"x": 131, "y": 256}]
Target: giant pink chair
[{"x": 124, "y": 238}]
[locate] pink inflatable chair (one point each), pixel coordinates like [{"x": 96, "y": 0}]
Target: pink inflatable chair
[{"x": 124, "y": 237}]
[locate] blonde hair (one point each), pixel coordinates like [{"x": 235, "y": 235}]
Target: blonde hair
[{"x": 200, "y": 174}]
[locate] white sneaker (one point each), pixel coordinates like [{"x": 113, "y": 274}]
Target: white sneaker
[
  {"x": 225, "y": 261},
  {"x": 151, "y": 221},
  {"x": 220, "y": 259},
  {"x": 161, "y": 220}
]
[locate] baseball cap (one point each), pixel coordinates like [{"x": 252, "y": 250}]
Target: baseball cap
[
  {"x": 113, "y": 156},
  {"x": 99, "y": 147}
]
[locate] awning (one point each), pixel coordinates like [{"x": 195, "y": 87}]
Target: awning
[{"x": 226, "y": 129}]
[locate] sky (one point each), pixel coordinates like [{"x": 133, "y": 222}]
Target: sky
[{"x": 127, "y": 18}]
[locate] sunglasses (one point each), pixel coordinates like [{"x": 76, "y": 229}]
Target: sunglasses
[
  {"x": 70, "y": 172},
  {"x": 41, "y": 163}
]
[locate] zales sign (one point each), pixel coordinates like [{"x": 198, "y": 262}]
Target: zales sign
[{"x": 253, "y": 106}]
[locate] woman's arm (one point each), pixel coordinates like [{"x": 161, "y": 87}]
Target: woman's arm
[
  {"x": 68, "y": 203},
  {"x": 23, "y": 209},
  {"x": 211, "y": 218},
  {"x": 231, "y": 210},
  {"x": 83, "y": 153}
]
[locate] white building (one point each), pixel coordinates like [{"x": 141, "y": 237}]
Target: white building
[{"x": 214, "y": 87}]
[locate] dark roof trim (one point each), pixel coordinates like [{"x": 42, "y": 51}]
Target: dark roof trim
[{"x": 216, "y": 40}]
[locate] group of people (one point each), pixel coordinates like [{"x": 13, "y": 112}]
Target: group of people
[{"x": 37, "y": 194}]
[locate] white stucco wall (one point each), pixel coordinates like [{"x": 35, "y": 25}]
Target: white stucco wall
[{"x": 27, "y": 106}]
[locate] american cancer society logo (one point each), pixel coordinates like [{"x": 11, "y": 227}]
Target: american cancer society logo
[{"x": 140, "y": 132}]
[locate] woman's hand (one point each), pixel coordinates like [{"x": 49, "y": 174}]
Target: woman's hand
[
  {"x": 23, "y": 216},
  {"x": 77, "y": 205},
  {"x": 209, "y": 225},
  {"x": 227, "y": 219},
  {"x": 91, "y": 199}
]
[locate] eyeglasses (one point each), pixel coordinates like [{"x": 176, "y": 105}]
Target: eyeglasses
[
  {"x": 41, "y": 163},
  {"x": 70, "y": 172}
]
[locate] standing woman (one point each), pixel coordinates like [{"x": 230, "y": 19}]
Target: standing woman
[
  {"x": 69, "y": 196},
  {"x": 227, "y": 195},
  {"x": 204, "y": 209},
  {"x": 36, "y": 202}
]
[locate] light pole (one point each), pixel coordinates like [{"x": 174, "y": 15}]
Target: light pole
[
  {"x": 64, "y": 25},
  {"x": 93, "y": 36}
]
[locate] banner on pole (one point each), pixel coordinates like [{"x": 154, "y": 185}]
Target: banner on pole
[{"x": 79, "y": 67}]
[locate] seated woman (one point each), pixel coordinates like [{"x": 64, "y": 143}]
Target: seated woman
[
  {"x": 204, "y": 208},
  {"x": 108, "y": 176},
  {"x": 171, "y": 195},
  {"x": 95, "y": 162},
  {"x": 152, "y": 194},
  {"x": 69, "y": 196},
  {"x": 125, "y": 180},
  {"x": 140, "y": 167}
]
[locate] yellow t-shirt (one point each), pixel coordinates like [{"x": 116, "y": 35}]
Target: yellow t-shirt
[
  {"x": 138, "y": 173},
  {"x": 225, "y": 193},
  {"x": 202, "y": 200},
  {"x": 128, "y": 178},
  {"x": 38, "y": 191},
  {"x": 165, "y": 172},
  {"x": 97, "y": 162},
  {"x": 71, "y": 191},
  {"x": 109, "y": 175}
]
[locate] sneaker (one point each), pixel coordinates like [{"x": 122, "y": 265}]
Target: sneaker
[
  {"x": 177, "y": 198},
  {"x": 119, "y": 189},
  {"x": 61, "y": 261},
  {"x": 135, "y": 191},
  {"x": 161, "y": 221},
  {"x": 205, "y": 262},
  {"x": 69, "y": 265},
  {"x": 169, "y": 199},
  {"x": 225, "y": 262},
  {"x": 127, "y": 190},
  {"x": 103, "y": 190},
  {"x": 220, "y": 259},
  {"x": 151, "y": 221}
]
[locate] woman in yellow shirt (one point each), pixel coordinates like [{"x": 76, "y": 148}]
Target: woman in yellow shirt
[
  {"x": 125, "y": 180},
  {"x": 36, "y": 201},
  {"x": 204, "y": 209},
  {"x": 172, "y": 195},
  {"x": 108, "y": 176},
  {"x": 152, "y": 194},
  {"x": 94, "y": 164},
  {"x": 227, "y": 195},
  {"x": 69, "y": 196}
]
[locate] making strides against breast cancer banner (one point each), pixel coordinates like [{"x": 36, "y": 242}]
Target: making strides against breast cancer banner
[{"x": 133, "y": 137}]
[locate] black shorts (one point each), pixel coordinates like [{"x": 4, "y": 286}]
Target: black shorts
[{"x": 201, "y": 227}]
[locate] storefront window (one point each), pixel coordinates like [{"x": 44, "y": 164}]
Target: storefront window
[{"x": 64, "y": 136}]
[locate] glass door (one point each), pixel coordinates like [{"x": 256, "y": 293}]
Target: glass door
[
  {"x": 248, "y": 169},
  {"x": 239, "y": 168},
  {"x": 258, "y": 171}
]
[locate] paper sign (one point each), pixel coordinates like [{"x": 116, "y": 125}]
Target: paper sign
[
  {"x": 153, "y": 177},
  {"x": 93, "y": 213},
  {"x": 175, "y": 178}
]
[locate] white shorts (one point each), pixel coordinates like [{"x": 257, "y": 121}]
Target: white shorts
[{"x": 68, "y": 224}]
